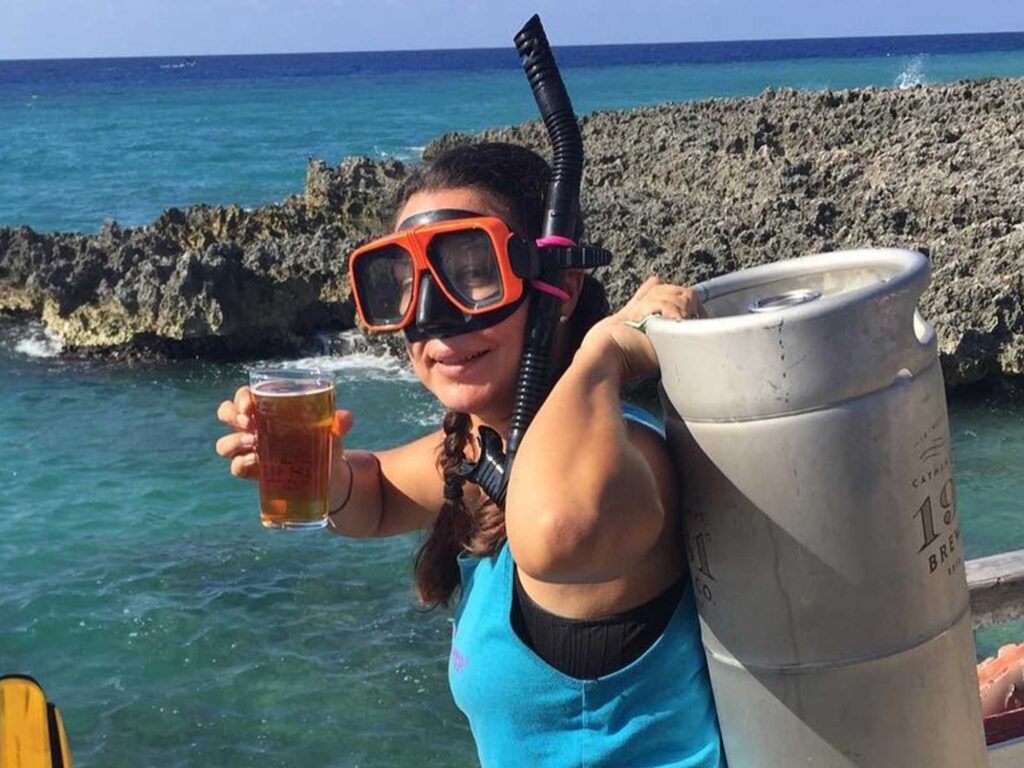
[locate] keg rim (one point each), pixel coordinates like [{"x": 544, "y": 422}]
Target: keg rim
[{"x": 910, "y": 272}]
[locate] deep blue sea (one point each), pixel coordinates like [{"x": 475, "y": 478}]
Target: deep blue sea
[
  {"x": 135, "y": 579},
  {"x": 85, "y": 140}
]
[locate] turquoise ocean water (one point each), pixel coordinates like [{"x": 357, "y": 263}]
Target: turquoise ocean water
[{"x": 135, "y": 580}]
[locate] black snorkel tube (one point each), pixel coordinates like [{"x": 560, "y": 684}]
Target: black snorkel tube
[
  {"x": 563, "y": 131},
  {"x": 492, "y": 470}
]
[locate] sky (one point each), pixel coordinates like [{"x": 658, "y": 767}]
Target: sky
[{"x": 89, "y": 28}]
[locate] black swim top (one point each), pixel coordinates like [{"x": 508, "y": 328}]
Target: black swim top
[{"x": 587, "y": 649}]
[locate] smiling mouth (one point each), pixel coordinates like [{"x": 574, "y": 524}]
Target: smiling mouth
[{"x": 465, "y": 359}]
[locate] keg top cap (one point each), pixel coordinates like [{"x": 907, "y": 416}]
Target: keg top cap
[{"x": 812, "y": 284}]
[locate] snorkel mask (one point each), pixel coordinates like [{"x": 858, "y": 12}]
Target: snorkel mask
[{"x": 449, "y": 272}]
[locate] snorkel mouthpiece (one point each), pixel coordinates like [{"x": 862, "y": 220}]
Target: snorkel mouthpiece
[
  {"x": 559, "y": 222},
  {"x": 489, "y": 471}
]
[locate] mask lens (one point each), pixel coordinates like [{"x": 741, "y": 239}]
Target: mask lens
[
  {"x": 383, "y": 281},
  {"x": 468, "y": 265}
]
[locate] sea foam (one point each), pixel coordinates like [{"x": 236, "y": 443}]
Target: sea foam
[
  {"x": 373, "y": 366},
  {"x": 912, "y": 74},
  {"x": 348, "y": 352},
  {"x": 38, "y": 341}
]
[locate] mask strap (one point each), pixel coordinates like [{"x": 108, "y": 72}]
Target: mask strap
[
  {"x": 549, "y": 288},
  {"x": 544, "y": 242}
]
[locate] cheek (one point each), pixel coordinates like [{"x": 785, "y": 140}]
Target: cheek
[
  {"x": 507, "y": 340},
  {"x": 510, "y": 333},
  {"x": 512, "y": 350},
  {"x": 415, "y": 353}
]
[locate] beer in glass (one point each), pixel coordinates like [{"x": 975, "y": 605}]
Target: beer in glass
[{"x": 294, "y": 411}]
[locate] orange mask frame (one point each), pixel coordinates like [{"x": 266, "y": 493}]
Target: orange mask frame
[{"x": 514, "y": 258}]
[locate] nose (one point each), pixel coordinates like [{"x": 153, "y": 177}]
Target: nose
[{"x": 434, "y": 312}]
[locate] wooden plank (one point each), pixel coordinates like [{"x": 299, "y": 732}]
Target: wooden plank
[{"x": 997, "y": 588}]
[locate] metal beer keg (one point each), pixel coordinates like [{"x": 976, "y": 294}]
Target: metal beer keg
[{"x": 807, "y": 417}]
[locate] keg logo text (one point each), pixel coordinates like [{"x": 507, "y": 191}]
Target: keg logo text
[
  {"x": 927, "y": 474},
  {"x": 700, "y": 567},
  {"x": 940, "y": 532}
]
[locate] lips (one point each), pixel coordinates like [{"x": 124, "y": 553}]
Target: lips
[{"x": 456, "y": 359}]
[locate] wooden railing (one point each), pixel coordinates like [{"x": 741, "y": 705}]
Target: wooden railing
[{"x": 997, "y": 588}]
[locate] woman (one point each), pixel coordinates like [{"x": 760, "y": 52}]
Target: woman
[{"x": 576, "y": 639}]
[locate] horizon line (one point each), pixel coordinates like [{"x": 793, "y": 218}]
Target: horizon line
[{"x": 510, "y": 48}]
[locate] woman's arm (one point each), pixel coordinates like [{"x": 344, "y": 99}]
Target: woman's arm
[
  {"x": 588, "y": 495},
  {"x": 393, "y": 491}
]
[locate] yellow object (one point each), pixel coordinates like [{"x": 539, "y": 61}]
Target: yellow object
[{"x": 31, "y": 730}]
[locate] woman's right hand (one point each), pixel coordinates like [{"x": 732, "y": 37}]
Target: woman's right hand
[
  {"x": 636, "y": 352},
  {"x": 240, "y": 446}
]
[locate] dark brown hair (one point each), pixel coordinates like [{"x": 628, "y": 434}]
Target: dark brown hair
[{"x": 515, "y": 181}]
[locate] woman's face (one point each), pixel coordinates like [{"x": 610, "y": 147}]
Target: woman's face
[{"x": 475, "y": 372}]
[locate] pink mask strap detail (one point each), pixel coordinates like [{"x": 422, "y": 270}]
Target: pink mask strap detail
[
  {"x": 543, "y": 242},
  {"x": 549, "y": 288}
]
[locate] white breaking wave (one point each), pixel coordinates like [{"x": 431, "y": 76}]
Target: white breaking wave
[
  {"x": 370, "y": 365},
  {"x": 348, "y": 351},
  {"x": 405, "y": 154},
  {"x": 411, "y": 153},
  {"x": 39, "y": 342},
  {"x": 187, "y": 64},
  {"x": 385, "y": 365},
  {"x": 913, "y": 74}
]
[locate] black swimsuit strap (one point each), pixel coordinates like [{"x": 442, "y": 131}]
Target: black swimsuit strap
[{"x": 590, "y": 648}]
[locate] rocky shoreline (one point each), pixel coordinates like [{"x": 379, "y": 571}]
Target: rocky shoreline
[{"x": 689, "y": 191}]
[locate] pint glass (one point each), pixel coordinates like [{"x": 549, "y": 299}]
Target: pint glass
[{"x": 294, "y": 410}]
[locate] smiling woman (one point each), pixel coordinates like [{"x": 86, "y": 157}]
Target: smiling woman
[
  {"x": 206, "y": 637},
  {"x": 558, "y": 590},
  {"x": 576, "y": 638}
]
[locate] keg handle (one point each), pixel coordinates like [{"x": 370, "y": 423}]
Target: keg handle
[{"x": 923, "y": 330}]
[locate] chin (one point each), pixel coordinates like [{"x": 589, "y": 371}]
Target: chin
[
  {"x": 483, "y": 385},
  {"x": 476, "y": 400}
]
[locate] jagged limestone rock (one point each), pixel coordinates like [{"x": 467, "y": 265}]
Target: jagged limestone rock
[{"x": 688, "y": 191}]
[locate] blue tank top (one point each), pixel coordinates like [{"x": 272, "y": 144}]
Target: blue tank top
[{"x": 655, "y": 712}]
